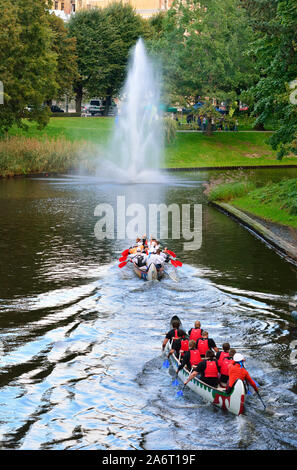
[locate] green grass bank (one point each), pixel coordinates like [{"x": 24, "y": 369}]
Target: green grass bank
[
  {"x": 274, "y": 202},
  {"x": 68, "y": 142}
]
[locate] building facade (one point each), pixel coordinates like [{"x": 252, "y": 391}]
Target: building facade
[{"x": 145, "y": 8}]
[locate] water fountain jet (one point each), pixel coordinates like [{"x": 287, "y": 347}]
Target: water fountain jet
[{"x": 135, "y": 152}]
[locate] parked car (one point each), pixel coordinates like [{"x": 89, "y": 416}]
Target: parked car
[
  {"x": 96, "y": 106},
  {"x": 56, "y": 109}
]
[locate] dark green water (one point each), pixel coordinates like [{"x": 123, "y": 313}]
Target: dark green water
[{"x": 81, "y": 339}]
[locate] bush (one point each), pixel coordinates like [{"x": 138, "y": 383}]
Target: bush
[
  {"x": 169, "y": 126},
  {"x": 227, "y": 191},
  {"x": 23, "y": 155}
]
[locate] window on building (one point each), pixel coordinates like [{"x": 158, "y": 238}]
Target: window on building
[
  {"x": 56, "y": 5},
  {"x": 62, "y": 6}
]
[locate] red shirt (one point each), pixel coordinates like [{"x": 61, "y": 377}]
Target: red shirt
[{"x": 238, "y": 372}]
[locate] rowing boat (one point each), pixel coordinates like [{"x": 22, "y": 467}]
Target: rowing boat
[
  {"x": 233, "y": 402},
  {"x": 150, "y": 274}
]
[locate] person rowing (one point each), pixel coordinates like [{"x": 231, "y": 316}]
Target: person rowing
[
  {"x": 139, "y": 258},
  {"x": 205, "y": 343},
  {"x": 196, "y": 332},
  {"x": 224, "y": 364},
  {"x": 224, "y": 353},
  {"x": 172, "y": 333},
  {"x": 178, "y": 342},
  {"x": 208, "y": 369},
  {"x": 164, "y": 254},
  {"x": 190, "y": 358},
  {"x": 238, "y": 371},
  {"x": 155, "y": 258}
]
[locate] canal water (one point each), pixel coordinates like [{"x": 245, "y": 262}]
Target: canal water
[{"x": 80, "y": 339}]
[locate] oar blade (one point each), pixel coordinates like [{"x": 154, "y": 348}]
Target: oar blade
[
  {"x": 171, "y": 253},
  {"x": 121, "y": 265}
]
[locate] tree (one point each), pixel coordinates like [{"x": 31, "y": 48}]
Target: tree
[
  {"x": 274, "y": 23},
  {"x": 37, "y": 61},
  {"x": 28, "y": 64},
  {"x": 203, "y": 46},
  {"x": 65, "y": 50},
  {"x": 104, "y": 38}
]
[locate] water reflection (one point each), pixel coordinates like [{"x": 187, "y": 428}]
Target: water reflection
[{"x": 81, "y": 361}]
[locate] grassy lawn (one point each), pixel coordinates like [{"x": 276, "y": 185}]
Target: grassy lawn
[
  {"x": 276, "y": 202},
  {"x": 93, "y": 130},
  {"x": 222, "y": 149},
  {"x": 189, "y": 149}
]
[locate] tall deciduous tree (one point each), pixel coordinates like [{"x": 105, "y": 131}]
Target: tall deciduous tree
[
  {"x": 275, "y": 46},
  {"x": 34, "y": 49},
  {"x": 203, "y": 45},
  {"x": 104, "y": 38},
  {"x": 64, "y": 47},
  {"x": 27, "y": 62}
]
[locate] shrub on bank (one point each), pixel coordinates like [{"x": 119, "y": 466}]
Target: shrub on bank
[
  {"x": 227, "y": 191},
  {"x": 22, "y": 155}
]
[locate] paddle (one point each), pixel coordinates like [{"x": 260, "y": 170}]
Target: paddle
[
  {"x": 125, "y": 252},
  {"x": 171, "y": 253},
  {"x": 172, "y": 276},
  {"x": 166, "y": 364},
  {"x": 121, "y": 265},
  {"x": 257, "y": 394},
  {"x": 261, "y": 400},
  {"x": 176, "y": 262},
  {"x": 123, "y": 258},
  {"x": 180, "y": 393}
]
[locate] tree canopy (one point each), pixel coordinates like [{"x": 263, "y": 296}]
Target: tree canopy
[
  {"x": 104, "y": 37},
  {"x": 32, "y": 50},
  {"x": 275, "y": 49},
  {"x": 203, "y": 44}
]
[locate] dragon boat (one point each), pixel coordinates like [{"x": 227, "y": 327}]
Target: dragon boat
[
  {"x": 150, "y": 274},
  {"x": 233, "y": 402}
]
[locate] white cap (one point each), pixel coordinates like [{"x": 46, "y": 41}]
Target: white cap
[{"x": 238, "y": 357}]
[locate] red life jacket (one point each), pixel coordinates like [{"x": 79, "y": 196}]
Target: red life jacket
[
  {"x": 195, "y": 357},
  {"x": 211, "y": 369},
  {"x": 225, "y": 365},
  {"x": 184, "y": 346},
  {"x": 223, "y": 355},
  {"x": 203, "y": 346},
  {"x": 195, "y": 333}
]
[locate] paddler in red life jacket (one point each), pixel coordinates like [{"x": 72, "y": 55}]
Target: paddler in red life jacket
[
  {"x": 191, "y": 358},
  {"x": 224, "y": 364},
  {"x": 224, "y": 353},
  {"x": 196, "y": 332},
  {"x": 171, "y": 333},
  {"x": 238, "y": 371},
  {"x": 205, "y": 343},
  {"x": 176, "y": 344},
  {"x": 208, "y": 370}
]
